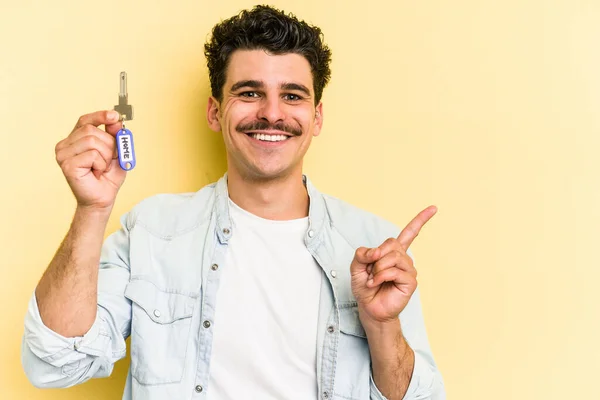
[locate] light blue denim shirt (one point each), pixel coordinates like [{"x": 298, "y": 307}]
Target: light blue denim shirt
[{"x": 158, "y": 281}]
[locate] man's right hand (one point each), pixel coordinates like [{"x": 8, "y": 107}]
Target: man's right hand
[{"x": 89, "y": 161}]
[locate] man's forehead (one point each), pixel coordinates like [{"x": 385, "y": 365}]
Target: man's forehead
[{"x": 270, "y": 69}]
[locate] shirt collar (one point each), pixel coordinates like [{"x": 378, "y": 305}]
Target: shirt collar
[{"x": 316, "y": 211}]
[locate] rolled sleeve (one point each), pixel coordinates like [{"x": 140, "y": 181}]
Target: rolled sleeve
[
  {"x": 50, "y": 346},
  {"x": 375, "y": 393},
  {"x": 53, "y": 360},
  {"x": 425, "y": 384}
]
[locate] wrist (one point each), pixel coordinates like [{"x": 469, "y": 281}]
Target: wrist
[
  {"x": 379, "y": 325},
  {"x": 86, "y": 216},
  {"x": 387, "y": 333},
  {"x": 382, "y": 329},
  {"x": 93, "y": 211}
]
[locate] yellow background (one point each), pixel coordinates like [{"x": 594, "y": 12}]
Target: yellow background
[{"x": 488, "y": 109}]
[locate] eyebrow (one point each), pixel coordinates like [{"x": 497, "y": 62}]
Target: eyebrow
[
  {"x": 254, "y": 84},
  {"x": 296, "y": 86},
  {"x": 248, "y": 83}
]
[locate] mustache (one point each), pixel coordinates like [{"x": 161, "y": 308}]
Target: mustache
[{"x": 266, "y": 126}]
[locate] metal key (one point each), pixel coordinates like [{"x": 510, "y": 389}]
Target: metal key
[
  {"x": 124, "y": 109},
  {"x": 124, "y": 136}
]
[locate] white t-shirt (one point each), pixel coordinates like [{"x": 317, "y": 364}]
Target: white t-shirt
[{"x": 265, "y": 328}]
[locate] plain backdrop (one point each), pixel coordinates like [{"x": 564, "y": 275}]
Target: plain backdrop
[{"x": 487, "y": 109}]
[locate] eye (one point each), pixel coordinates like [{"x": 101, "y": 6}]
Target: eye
[
  {"x": 292, "y": 97},
  {"x": 249, "y": 94}
]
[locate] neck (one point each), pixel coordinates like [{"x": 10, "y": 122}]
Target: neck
[{"x": 279, "y": 199}]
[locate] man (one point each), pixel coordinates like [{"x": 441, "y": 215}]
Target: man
[{"x": 255, "y": 287}]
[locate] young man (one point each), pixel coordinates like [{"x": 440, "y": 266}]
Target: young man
[{"x": 255, "y": 287}]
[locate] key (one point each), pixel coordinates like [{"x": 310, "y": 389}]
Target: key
[
  {"x": 124, "y": 136},
  {"x": 124, "y": 109}
]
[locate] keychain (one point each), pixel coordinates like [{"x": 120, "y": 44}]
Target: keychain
[{"x": 124, "y": 136}]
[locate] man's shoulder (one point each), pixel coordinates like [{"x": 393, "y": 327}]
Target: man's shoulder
[
  {"x": 167, "y": 214},
  {"x": 360, "y": 227}
]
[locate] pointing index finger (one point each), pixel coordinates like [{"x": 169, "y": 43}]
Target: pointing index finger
[{"x": 413, "y": 228}]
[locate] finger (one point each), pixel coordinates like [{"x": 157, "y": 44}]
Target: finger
[
  {"x": 413, "y": 228},
  {"x": 81, "y": 164},
  {"x": 112, "y": 130},
  {"x": 363, "y": 257},
  {"x": 87, "y": 130},
  {"x": 97, "y": 118},
  {"x": 395, "y": 259},
  {"x": 366, "y": 255},
  {"x": 84, "y": 144},
  {"x": 398, "y": 277},
  {"x": 390, "y": 245}
]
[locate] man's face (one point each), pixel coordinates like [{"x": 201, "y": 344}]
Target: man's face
[{"x": 267, "y": 116}]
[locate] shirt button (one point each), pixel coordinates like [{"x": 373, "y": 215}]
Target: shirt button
[
  {"x": 206, "y": 324},
  {"x": 157, "y": 313},
  {"x": 198, "y": 389},
  {"x": 333, "y": 273},
  {"x": 226, "y": 231},
  {"x": 330, "y": 329},
  {"x": 311, "y": 233},
  {"x": 214, "y": 267},
  {"x": 326, "y": 395}
]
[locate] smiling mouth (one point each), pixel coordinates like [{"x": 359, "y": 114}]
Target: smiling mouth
[{"x": 268, "y": 137}]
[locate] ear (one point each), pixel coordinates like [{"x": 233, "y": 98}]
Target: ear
[
  {"x": 212, "y": 114},
  {"x": 318, "y": 119}
]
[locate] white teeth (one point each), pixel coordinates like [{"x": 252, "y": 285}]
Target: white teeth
[{"x": 269, "y": 138}]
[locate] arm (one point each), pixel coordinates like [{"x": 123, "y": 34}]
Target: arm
[
  {"x": 67, "y": 294},
  {"x": 385, "y": 286},
  {"x": 396, "y": 373},
  {"x": 392, "y": 359},
  {"x": 69, "y": 334},
  {"x": 51, "y": 359}
]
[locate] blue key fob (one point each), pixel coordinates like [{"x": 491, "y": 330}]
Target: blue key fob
[{"x": 125, "y": 149}]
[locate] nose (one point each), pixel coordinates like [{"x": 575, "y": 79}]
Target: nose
[{"x": 270, "y": 110}]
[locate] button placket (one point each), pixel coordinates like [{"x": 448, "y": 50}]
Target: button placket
[{"x": 210, "y": 284}]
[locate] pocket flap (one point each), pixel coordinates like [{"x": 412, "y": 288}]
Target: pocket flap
[
  {"x": 349, "y": 320},
  {"x": 161, "y": 306}
]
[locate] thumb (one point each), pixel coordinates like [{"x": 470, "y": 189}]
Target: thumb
[
  {"x": 114, "y": 127},
  {"x": 365, "y": 256}
]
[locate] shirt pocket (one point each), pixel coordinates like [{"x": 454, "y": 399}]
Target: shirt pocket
[
  {"x": 160, "y": 330},
  {"x": 353, "y": 366}
]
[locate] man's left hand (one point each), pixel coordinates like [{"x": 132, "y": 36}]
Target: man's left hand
[{"x": 384, "y": 277}]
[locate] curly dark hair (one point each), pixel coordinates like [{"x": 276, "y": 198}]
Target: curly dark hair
[{"x": 266, "y": 28}]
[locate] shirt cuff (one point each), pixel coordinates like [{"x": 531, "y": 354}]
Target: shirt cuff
[
  {"x": 375, "y": 393},
  {"x": 420, "y": 383},
  {"x": 56, "y": 349}
]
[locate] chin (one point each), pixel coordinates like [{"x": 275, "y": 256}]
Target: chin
[{"x": 269, "y": 173}]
